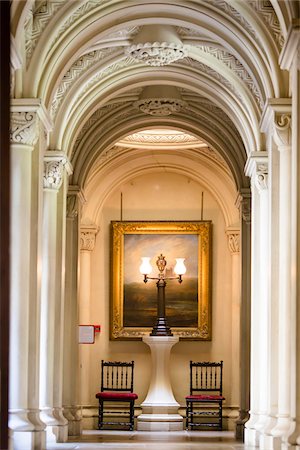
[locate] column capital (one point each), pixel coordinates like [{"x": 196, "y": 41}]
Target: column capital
[
  {"x": 88, "y": 236},
  {"x": 243, "y": 203},
  {"x": 24, "y": 128},
  {"x": 291, "y": 45},
  {"x": 233, "y": 235},
  {"x": 32, "y": 105},
  {"x": 257, "y": 168},
  {"x": 75, "y": 196},
  {"x": 276, "y": 119},
  {"x": 55, "y": 162}
]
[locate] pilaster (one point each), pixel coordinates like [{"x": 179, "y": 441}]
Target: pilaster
[
  {"x": 276, "y": 122},
  {"x": 71, "y": 395},
  {"x": 52, "y": 308},
  {"x": 243, "y": 202},
  {"x": 88, "y": 234},
  {"x": 24, "y": 413},
  {"x": 234, "y": 244}
]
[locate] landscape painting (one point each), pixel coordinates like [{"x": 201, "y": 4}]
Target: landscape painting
[{"x": 134, "y": 303}]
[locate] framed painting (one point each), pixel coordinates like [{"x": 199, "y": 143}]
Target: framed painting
[{"x": 134, "y": 303}]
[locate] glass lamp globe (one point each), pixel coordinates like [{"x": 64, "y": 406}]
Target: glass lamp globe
[
  {"x": 180, "y": 268},
  {"x": 145, "y": 267}
]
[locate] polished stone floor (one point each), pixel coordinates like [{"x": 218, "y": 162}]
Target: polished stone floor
[{"x": 142, "y": 440}]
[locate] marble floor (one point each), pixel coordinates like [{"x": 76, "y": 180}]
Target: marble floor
[{"x": 142, "y": 440}]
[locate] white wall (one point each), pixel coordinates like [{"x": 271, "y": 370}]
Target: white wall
[{"x": 162, "y": 195}]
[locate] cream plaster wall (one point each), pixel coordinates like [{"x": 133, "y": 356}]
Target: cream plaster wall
[{"x": 162, "y": 195}]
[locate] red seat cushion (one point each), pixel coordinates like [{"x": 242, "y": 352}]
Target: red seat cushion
[
  {"x": 126, "y": 396},
  {"x": 205, "y": 397}
]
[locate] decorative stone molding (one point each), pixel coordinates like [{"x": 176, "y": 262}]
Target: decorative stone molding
[
  {"x": 233, "y": 235},
  {"x": 282, "y": 130},
  {"x": 261, "y": 177},
  {"x": 24, "y": 128},
  {"x": 55, "y": 163},
  {"x": 159, "y": 106},
  {"x": 88, "y": 237},
  {"x": 157, "y": 53},
  {"x": 53, "y": 174},
  {"x": 243, "y": 203},
  {"x": 74, "y": 198}
]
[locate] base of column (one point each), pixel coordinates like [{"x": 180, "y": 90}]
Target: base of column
[
  {"x": 267, "y": 442},
  {"x": 28, "y": 440},
  {"x": 159, "y": 422},
  {"x": 57, "y": 433},
  {"x": 240, "y": 425},
  {"x": 74, "y": 428},
  {"x": 290, "y": 447},
  {"x": 251, "y": 437}
]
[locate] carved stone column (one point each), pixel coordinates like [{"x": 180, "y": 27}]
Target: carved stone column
[
  {"x": 87, "y": 243},
  {"x": 52, "y": 301},
  {"x": 24, "y": 413},
  {"x": 244, "y": 204},
  {"x": 233, "y": 235},
  {"x": 71, "y": 400},
  {"x": 257, "y": 168},
  {"x": 286, "y": 325},
  {"x": 289, "y": 60}
]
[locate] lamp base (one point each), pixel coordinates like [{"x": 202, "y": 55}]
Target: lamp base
[{"x": 161, "y": 328}]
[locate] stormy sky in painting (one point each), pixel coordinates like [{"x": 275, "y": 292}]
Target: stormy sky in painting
[{"x": 140, "y": 300}]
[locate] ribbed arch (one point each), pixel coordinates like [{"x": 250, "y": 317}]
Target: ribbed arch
[
  {"x": 188, "y": 79},
  {"x": 132, "y": 163},
  {"x": 199, "y": 129},
  {"x": 52, "y": 61}
]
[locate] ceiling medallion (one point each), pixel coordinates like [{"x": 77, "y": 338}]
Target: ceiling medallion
[
  {"x": 157, "y": 53},
  {"x": 159, "y": 107}
]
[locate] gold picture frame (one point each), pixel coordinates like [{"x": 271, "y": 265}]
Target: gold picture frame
[{"x": 133, "y": 303}]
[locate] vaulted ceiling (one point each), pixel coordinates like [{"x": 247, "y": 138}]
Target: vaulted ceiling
[{"x": 79, "y": 58}]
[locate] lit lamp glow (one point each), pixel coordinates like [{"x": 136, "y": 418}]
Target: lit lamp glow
[{"x": 161, "y": 328}]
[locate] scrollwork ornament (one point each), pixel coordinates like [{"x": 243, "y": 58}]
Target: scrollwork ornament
[
  {"x": 87, "y": 240},
  {"x": 234, "y": 242},
  {"x": 261, "y": 177},
  {"x": 53, "y": 174},
  {"x": 24, "y": 128},
  {"x": 72, "y": 207},
  {"x": 282, "y": 130}
]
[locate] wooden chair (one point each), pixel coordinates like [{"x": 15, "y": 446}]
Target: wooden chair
[
  {"x": 117, "y": 388},
  {"x": 205, "y": 402}
]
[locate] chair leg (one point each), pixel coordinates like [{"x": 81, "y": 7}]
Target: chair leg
[
  {"x": 187, "y": 415},
  {"x": 220, "y": 416},
  {"x": 100, "y": 420},
  {"x": 131, "y": 415}
]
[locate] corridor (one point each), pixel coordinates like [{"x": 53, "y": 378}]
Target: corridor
[{"x": 177, "y": 440}]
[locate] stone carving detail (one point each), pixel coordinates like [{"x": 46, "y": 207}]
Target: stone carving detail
[
  {"x": 261, "y": 177},
  {"x": 282, "y": 130},
  {"x": 266, "y": 11},
  {"x": 246, "y": 209},
  {"x": 76, "y": 70},
  {"x": 159, "y": 106},
  {"x": 237, "y": 67},
  {"x": 24, "y": 128},
  {"x": 203, "y": 68},
  {"x": 233, "y": 242},
  {"x": 84, "y": 8},
  {"x": 156, "y": 53},
  {"x": 53, "y": 174},
  {"x": 87, "y": 239},
  {"x": 37, "y": 20},
  {"x": 221, "y": 4},
  {"x": 72, "y": 206}
]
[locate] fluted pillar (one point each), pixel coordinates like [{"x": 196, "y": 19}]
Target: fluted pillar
[
  {"x": 52, "y": 298},
  {"x": 28, "y": 119},
  {"x": 243, "y": 202},
  {"x": 88, "y": 234},
  {"x": 71, "y": 400},
  {"x": 233, "y": 235}
]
